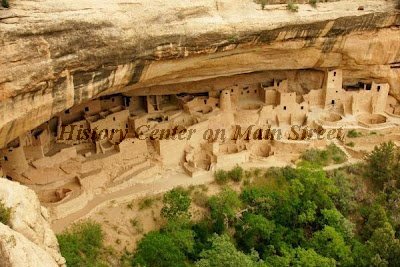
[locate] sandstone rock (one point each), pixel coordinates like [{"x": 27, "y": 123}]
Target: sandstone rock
[
  {"x": 16, "y": 250},
  {"x": 29, "y": 222},
  {"x": 55, "y": 54}
]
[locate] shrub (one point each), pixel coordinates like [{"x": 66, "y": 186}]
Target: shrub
[
  {"x": 292, "y": 7},
  {"x": 313, "y": 3},
  {"x": 200, "y": 199},
  {"x": 137, "y": 225},
  {"x": 351, "y": 144},
  {"x": 5, "y": 213},
  {"x": 146, "y": 203},
  {"x": 319, "y": 157},
  {"x": 82, "y": 244},
  {"x": 236, "y": 174},
  {"x": 221, "y": 176},
  {"x": 4, "y": 3},
  {"x": 176, "y": 203},
  {"x": 353, "y": 134},
  {"x": 336, "y": 154},
  {"x": 332, "y": 154}
]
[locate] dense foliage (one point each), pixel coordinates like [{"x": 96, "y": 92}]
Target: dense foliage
[
  {"x": 176, "y": 203},
  {"x": 331, "y": 155},
  {"x": 300, "y": 216},
  {"x": 313, "y": 218},
  {"x": 81, "y": 245}
]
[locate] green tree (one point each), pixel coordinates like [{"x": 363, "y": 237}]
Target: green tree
[
  {"x": 259, "y": 200},
  {"x": 224, "y": 254},
  {"x": 329, "y": 243},
  {"x": 254, "y": 232},
  {"x": 224, "y": 208},
  {"x": 344, "y": 199},
  {"x": 382, "y": 163},
  {"x": 310, "y": 258},
  {"x": 307, "y": 194},
  {"x": 82, "y": 244},
  {"x": 333, "y": 218},
  {"x": 384, "y": 247},
  {"x": 180, "y": 232},
  {"x": 377, "y": 218},
  {"x": 158, "y": 249},
  {"x": 176, "y": 203}
]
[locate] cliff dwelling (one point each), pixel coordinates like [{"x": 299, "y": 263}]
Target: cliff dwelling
[
  {"x": 117, "y": 140},
  {"x": 273, "y": 126}
]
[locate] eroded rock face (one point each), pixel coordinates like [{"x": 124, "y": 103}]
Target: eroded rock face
[
  {"x": 29, "y": 241},
  {"x": 16, "y": 250},
  {"x": 56, "y": 54}
]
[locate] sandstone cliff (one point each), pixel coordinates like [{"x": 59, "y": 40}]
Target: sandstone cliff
[
  {"x": 54, "y": 54},
  {"x": 29, "y": 240}
]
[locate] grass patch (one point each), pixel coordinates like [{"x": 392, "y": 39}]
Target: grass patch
[
  {"x": 82, "y": 244},
  {"x": 353, "y": 134},
  {"x": 5, "y": 213},
  {"x": 331, "y": 155},
  {"x": 146, "y": 203}
]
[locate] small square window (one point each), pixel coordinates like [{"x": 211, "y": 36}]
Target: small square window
[
  {"x": 334, "y": 74},
  {"x": 379, "y": 88},
  {"x": 302, "y": 107},
  {"x": 5, "y": 158},
  {"x": 67, "y": 111},
  {"x": 284, "y": 108},
  {"x": 113, "y": 118},
  {"x": 86, "y": 109}
]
